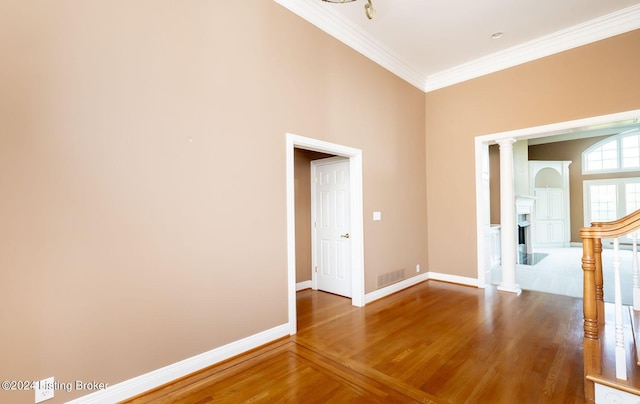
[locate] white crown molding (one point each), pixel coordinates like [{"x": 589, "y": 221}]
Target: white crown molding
[
  {"x": 609, "y": 25},
  {"x": 336, "y": 25}
]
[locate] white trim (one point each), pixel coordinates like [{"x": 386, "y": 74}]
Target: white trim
[
  {"x": 609, "y": 395},
  {"x": 560, "y": 127},
  {"x": 482, "y": 220},
  {"x": 357, "y": 219},
  {"x": 619, "y": 22},
  {"x": 531, "y": 133},
  {"x": 158, "y": 377},
  {"x": 407, "y": 283},
  {"x": 617, "y": 138},
  {"x": 460, "y": 280},
  {"x": 338, "y": 26},
  {"x": 303, "y": 285},
  {"x": 508, "y": 239},
  {"x": 396, "y": 287}
]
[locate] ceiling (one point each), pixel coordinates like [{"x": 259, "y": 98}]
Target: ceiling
[{"x": 436, "y": 43}]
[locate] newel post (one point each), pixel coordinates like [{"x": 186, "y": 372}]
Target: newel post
[{"x": 591, "y": 339}]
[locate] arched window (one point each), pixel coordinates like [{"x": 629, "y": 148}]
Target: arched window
[
  {"x": 617, "y": 153},
  {"x": 611, "y": 198}
]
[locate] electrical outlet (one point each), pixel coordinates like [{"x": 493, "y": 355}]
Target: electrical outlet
[
  {"x": 417, "y": 267},
  {"x": 44, "y": 389}
]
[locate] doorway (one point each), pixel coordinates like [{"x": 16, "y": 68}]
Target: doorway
[
  {"x": 354, "y": 157},
  {"x": 482, "y": 183}
]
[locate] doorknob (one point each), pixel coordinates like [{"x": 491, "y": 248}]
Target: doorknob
[{"x": 345, "y": 235}]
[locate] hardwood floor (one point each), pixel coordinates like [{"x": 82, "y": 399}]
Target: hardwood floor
[{"x": 432, "y": 343}]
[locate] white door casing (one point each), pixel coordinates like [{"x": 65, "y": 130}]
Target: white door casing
[
  {"x": 330, "y": 223},
  {"x": 356, "y": 218}
]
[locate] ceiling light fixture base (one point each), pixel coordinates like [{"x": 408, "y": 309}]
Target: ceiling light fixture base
[{"x": 369, "y": 11}]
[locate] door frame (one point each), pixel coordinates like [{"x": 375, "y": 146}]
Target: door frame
[
  {"x": 314, "y": 214},
  {"x": 357, "y": 218},
  {"x": 482, "y": 157}
]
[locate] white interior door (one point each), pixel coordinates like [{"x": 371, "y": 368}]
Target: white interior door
[{"x": 331, "y": 225}]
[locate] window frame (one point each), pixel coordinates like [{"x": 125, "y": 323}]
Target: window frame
[
  {"x": 621, "y": 205},
  {"x": 618, "y": 139}
]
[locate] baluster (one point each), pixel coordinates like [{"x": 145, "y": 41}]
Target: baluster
[
  {"x": 621, "y": 360},
  {"x": 636, "y": 277}
]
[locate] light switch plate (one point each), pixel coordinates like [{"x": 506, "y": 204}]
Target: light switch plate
[{"x": 377, "y": 215}]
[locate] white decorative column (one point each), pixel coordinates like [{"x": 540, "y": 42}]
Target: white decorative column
[{"x": 508, "y": 242}]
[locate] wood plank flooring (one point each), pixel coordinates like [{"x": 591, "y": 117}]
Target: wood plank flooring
[{"x": 432, "y": 343}]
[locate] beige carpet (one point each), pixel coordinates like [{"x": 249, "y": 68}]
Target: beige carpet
[{"x": 560, "y": 273}]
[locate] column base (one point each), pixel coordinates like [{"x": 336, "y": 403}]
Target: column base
[{"x": 510, "y": 288}]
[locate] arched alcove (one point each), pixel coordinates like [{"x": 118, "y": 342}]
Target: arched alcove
[
  {"x": 550, "y": 219},
  {"x": 548, "y": 177}
]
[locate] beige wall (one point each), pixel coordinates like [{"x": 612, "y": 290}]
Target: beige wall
[
  {"x": 596, "y": 79},
  {"x": 142, "y": 172},
  {"x": 494, "y": 183},
  {"x": 521, "y": 168}
]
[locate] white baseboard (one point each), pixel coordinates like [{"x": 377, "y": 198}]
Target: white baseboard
[
  {"x": 303, "y": 285},
  {"x": 156, "y": 378},
  {"x": 462, "y": 280},
  {"x": 607, "y": 395},
  {"x": 396, "y": 287}
]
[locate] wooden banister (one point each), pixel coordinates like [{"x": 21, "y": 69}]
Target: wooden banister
[
  {"x": 615, "y": 228},
  {"x": 593, "y": 293}
]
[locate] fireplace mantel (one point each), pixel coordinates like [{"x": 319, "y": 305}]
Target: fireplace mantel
[
  {"x": 524, "y": 213},
  {"x": 524, "y": 204}
]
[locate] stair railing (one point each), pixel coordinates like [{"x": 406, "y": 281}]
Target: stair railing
[{"x": 593, "y": 294}]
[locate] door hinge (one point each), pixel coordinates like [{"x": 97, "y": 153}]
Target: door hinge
[
  {"x": 315, "y": 224},
  {"x": 316, "y": 269}
]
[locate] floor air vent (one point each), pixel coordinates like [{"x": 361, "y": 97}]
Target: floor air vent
[{"x": 390, "y": 277}]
